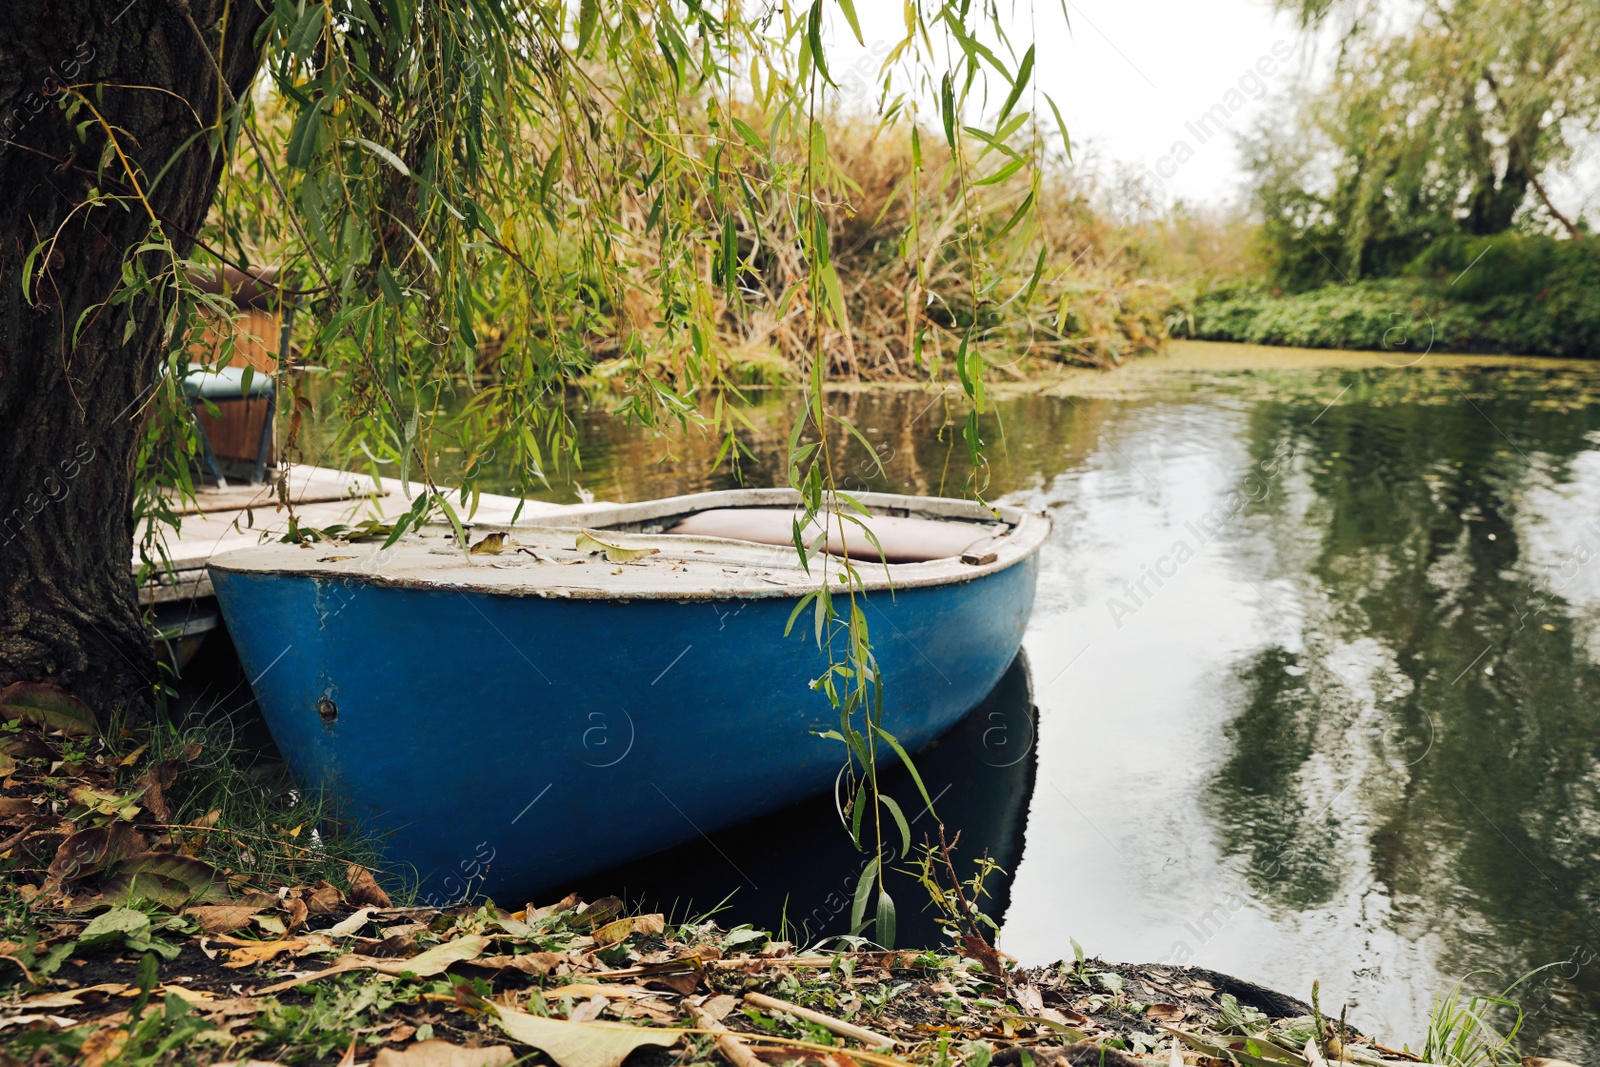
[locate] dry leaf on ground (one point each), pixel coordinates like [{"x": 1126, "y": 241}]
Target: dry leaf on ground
[
  {"x": 364, "y": 888},
  {"x": 593, "y": 1044},
  {"x": 434, "y": 961},
  {"x": 436, "y": 1053},
  {"x": 622, "y": 929}
]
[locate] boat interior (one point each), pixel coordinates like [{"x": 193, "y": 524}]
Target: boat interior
[{"x": 894, "y": 529}]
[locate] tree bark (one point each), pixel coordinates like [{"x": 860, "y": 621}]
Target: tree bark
[{"x": 71, "y": 407}]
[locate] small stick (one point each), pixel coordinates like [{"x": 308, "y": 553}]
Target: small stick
[
  {"x": 733, "y": 1050},
  {"x": 870, "y": 1038}
]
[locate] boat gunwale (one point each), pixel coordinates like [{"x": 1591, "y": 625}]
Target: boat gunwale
[{"x": 1027, "y": 533}]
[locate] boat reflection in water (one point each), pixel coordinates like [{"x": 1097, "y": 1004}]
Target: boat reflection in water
[{"x": 798, "y": 865}]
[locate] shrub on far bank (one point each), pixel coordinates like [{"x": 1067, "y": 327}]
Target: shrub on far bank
[{"x": 1526, "y": 294}]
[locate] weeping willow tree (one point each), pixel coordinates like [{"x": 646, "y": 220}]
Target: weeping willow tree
[
  {"x": 472, "y": 205},
  {"x": 1443, "y": 118}
]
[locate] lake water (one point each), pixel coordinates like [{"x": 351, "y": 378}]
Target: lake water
[{"x": 1314, "y": 657}]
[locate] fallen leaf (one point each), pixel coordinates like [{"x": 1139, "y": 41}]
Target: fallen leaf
[
  {"x": 588, "y": 542},
  {"x": 49, "y": 706},
  {"x": 102, "y": 1046},
  {"x": 434, "y": 961},
  {"x": 682, "y": 984},
  {"x": 1165, "y": 1013},
  {"x": 13, "y": 807},
  {"x": 248, "y": 952},
  {"x": 512, "y": 925},
  {"x": 719, "y": 1006},
  {"x": 595, "y": 1044},
  {"x": 395, "y": 946},
  {"x": 71, "y": 998},
  {"x": 535, "y": 963},
  {"x": 599, "y": 913},
  {"x": 296, "y": 910},
  {"x": 102, "y": 803},
  {"x": 622, "y": 929},
  {"x": 587, "y": 990},
  {"x": 589, "y": 1010},
  {"x": 364, "y": 888},
  {"x": 347, "y": 927},
  {"x": 437, "y": 1053},
  {"x": 155, "y": 782},
  {"x": 271, "y": 924},
  {"x": 491, "y": 545},
  {"x": 60, "y": 1022},
  {"x": 222, "y": 918},
  {"x": 168, "y": 878},
  {"x": 90, "y": 851},
  {"x": 324, "y": 899},
  {"x": 112, "y": 926},
  {"x": 566, "y": 903}
]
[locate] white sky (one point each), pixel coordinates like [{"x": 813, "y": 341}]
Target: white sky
[{"x": 1129, "y": 74}]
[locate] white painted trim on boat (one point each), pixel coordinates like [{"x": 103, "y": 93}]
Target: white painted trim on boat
[{"x": 546, "y": 562}]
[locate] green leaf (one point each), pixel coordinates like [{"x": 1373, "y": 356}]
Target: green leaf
[
  {"x": 1061, "y": 125},
  {"x": 384, "y": 154},
  {"x": 1024, "y": 71},
  {"x": 858, "y": 906},
  {"x": 849, "y": 9},
  {"x": 751, "y": 137},
  {"x": 1003, "y": 173},
  {"x": 588, "y": 15},
  {"x": 390, "y": 285},
  {"x": 857, "y": 808},
  {"x": 883, "y": 932},
  {"x": 830, "y": 283},
  {"x": 795, "y": 614},
  {"x": 47, "y": 705},
  {"x": 588, "y": 542},
  {"x": 911, "y": 767},
  {"x": 112, "y": 926},
  {"x": 814, "y": 39},
  {"x": 306, "y": 137},
  {"x": 947, "y": 109},
  {"x": 307, "y": 31},
  {"x": 900, "y": 821}
]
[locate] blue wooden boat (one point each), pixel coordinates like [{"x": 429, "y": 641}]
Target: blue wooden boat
[{"x": 507, "y": 722}]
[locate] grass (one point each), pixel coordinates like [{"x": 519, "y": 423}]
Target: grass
[
  {"x": 246, "y": 816},
  {"x": 1461, "y": 1032}
]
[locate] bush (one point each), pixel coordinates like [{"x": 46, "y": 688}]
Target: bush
[{"x": 1527, "y": 294}]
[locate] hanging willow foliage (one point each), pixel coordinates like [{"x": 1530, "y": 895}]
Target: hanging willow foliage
[{"x": 477, "y": 204}]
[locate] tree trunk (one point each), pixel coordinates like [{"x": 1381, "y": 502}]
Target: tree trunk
[{"x": 70, "y": 407}]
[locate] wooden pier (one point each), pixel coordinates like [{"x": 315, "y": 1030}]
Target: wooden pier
[{"x": 238, "y": 516}]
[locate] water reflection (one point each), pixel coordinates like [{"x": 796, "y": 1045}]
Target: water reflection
[{"x": 797, "y": 866}]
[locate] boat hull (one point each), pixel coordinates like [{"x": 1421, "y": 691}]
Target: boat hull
[{"x": 503, "y": 744}]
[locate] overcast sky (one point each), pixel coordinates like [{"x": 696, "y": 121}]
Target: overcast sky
[{"x": 1133, "y": 76}]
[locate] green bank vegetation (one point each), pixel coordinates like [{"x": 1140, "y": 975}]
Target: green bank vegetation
[{"x": 1406, "y": 203}]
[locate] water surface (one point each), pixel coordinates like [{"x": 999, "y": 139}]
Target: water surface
[{"x": 1314, "y": 656}]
